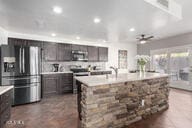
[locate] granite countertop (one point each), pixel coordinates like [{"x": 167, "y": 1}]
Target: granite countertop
[
  {"x": 102, "y": 79},
  {"x": 47, "y": 73},
  {"x": 100, "y": 70},
  {"x": 4, "y": 89}
]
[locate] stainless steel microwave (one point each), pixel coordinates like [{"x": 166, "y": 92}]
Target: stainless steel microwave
[{"x": 79, "y": 55}]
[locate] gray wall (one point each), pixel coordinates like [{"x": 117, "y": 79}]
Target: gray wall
[{"x": 179, "y": 40}]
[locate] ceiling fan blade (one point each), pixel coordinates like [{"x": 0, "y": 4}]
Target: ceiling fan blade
[{"x": 149, "y": 37}]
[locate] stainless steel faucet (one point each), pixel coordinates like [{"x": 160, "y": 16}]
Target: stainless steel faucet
[{"x": 116, "y": 71}]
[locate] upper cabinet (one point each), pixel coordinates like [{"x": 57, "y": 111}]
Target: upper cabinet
[
  {"x": 64, "y": 52},
  {"x": 35, "y": 43},
  {"x": 49, "y": 51},
  {"x": 79, "y": 47},
  {"x": 93, "y": 54},
  {"x": 24, "y": 42},
  {"x": 56, "y": 52},
  {"x": 103, "y": 54},
  {"x": 52, "y": 51},
  {"x": 15, "y": 41}
]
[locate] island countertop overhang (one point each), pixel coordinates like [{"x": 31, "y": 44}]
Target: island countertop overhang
[{"x": 92, "y": 81}]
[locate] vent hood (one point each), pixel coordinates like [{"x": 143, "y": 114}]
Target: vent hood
[{"x": 169, "y": 6}]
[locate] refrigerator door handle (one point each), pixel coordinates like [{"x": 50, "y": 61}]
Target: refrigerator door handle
[
  {"x": 20, "y": 57},
  {"x": 23, "y": 61}
]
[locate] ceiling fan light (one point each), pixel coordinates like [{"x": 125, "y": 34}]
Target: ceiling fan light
[{"x": 143, "y": 41}]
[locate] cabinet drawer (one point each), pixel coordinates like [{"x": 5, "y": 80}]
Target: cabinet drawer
[
  {"x": 101, "y": 73},
  {"x": 5, "y": 96},
  {"x": 107, "y": 72},
  {"x": 96, "y": 73}
]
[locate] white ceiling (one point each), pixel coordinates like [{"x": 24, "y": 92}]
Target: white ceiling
[{"x": 118, "y": 16}]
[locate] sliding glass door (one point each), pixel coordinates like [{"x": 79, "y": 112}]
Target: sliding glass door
[
  {"x": 177, "y": 62},
  {"x": 179, "y": 69},
  {"x": 159, "y": 61}
]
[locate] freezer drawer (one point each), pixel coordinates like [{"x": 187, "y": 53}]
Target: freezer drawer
[
  {"x": 27, "y": 94},
  {"x": 19, "y": 81}
]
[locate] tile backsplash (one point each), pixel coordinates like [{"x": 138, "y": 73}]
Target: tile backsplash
[{"x": 65, "y": 66}]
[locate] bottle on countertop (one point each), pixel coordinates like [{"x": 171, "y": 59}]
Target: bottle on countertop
[{"x": 89, "y": 68}]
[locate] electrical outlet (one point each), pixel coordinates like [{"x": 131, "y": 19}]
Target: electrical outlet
[{"x": 143, "y": 103}]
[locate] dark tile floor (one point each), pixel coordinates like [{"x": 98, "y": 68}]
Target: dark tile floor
[{"x": 61, "y": 112}]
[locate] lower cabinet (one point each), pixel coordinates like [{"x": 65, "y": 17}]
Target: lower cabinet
[
  {"x": 50, "y": 84},
  {"x": 57, "y": 84},
  {"x": 101, "y": 72},
  {"x": 5, "y": 107},
  {"x": 66, "y": 83}
]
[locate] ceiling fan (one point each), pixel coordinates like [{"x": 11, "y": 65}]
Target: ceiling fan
[{"x": 143, "y": 39}]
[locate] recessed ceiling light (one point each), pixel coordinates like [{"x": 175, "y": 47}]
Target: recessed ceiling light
[
  {"x": 57, "y": 9},
  {"x": 97, "y": 20},
  {"x": 143, "y": 41},
  {"x": 78, "y": 38},
  {"x": 53, "y": 34},
  {"x": 132, "y": 29}
]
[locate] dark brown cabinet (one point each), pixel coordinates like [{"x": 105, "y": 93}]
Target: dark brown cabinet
[
  {"x": 15, "y": 41},
  {"x": 50, "y": 84},
  {"x": 49, "y": 51},
  {"x": 66, "y": 83},
  {"x": 64, "y": 52},
  {"x": 52, "y": 51},
  {"x": 101, "y": 72},
  {"x": 34, "y": 43},
  {"x": 57, "y": 83},
  {"x": 24, "y": 42},
  {"x": 93, "y": 54},
  {"x": 5, "y": 107},
  {"x": 79, "y": 47},
  {"x": 103, "y": 54}
]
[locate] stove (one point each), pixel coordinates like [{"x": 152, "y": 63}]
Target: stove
[{"x": 77, "y": 72}]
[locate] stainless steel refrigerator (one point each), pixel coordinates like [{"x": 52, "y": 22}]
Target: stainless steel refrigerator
[{"x": 20, "y": 67}]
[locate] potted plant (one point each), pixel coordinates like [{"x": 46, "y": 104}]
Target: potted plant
[{"x": 142, "y": 61}]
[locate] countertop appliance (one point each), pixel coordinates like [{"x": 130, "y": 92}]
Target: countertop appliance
[
  {"x": 55, "y": 67},
  {"x": 79, "y": 55},
  {"x": 20, "y": 67}
]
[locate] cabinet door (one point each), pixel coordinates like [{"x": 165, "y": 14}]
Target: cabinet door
[
  {"x": 75, "y": 47},
  {"x": 79, "y": 47},
  {"x": 103, "y": 54},
  {"x": 96, "y": 73},
  {"x": 16, "y": 41},
  {"x": 66, "y": 83},
  {"x": 93, "y": 53},
  {"x": 64, "y": 52},
  {"x": 24, "y": 42},
  {"x": 50, "y": 84},
  {"x": 49, "y": 51},
  {"x": 83, "y": 48},
  {"x": 34, "y": 43}
]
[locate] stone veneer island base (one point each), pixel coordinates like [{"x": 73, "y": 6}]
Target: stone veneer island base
[{"x": 118, "y": 102}]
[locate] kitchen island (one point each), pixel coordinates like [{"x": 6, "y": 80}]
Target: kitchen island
[
  {"x": 110, "y": 102},
  {"x": 6, "y": 93}
]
